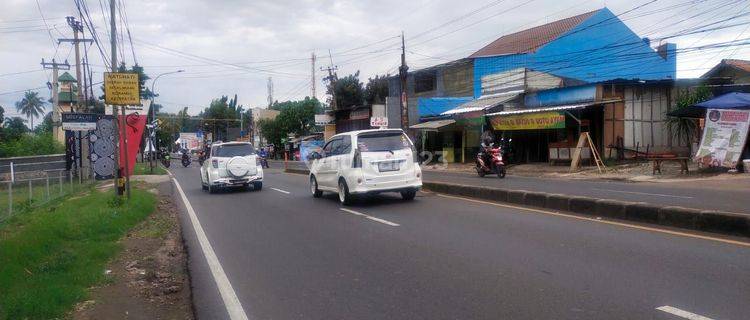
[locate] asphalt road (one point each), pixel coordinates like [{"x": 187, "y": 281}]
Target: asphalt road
[
  {"x": 290, "y": 256},
  {"x": 690, "y": 194}
]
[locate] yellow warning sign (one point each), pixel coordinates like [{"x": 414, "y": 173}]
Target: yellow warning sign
[{"x": 121, "y": 89}]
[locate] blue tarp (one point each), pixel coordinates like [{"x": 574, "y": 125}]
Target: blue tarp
[
  {"x": 435, "y": 106},
  {"x": 732, "y": 100}
]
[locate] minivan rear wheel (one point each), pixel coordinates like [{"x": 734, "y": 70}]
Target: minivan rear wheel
[
  {"x": 344, "y": 196},
  {"x": 409, "y": 194}
]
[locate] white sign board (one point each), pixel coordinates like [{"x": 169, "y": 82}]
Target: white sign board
[
  {"x": 723, "y": 137},
  {"x": 129, "y": 110},
  {"x": 79, "y": 121},
  {"x": 378, "y": 121},
  {"x": 323, "y": 119}
]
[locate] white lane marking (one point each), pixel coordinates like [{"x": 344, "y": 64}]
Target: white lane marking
[
  {"x": 682, "y": 313},
  {"x": 231, "y": 302},
  {"x": 282, "y": 191},
  {"x": 648, "y": 194},
  {"x": 383, "y": 221}
]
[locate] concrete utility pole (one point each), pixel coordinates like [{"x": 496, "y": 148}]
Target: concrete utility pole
[
  {"x": 77, "y": 27},
  {"x": 331, "y": 78},
  {"x": 55, "y": 87},
  {"x": 270, "y": 92},
  {"x": 313, "y": 75},
  {"x": 402, "y": 73},
  {"x": 113, "y": 60}
]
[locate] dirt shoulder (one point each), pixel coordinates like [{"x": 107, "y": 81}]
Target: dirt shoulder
[{"x": 149, "y": 278}]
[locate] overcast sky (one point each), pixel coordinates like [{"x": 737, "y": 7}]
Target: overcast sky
[{"x": 229, "y": 47}]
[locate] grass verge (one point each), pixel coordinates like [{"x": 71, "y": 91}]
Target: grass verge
[
  {"x": 143, "y": 168},
  {"x": 51, "y": 255}
]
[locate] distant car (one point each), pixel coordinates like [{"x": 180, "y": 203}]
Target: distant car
[
  {"x": 231, "y": 164},
  {"x": 366, "y": 162}
]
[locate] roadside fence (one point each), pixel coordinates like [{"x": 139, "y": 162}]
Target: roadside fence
[{"x": 19, "y": 195}]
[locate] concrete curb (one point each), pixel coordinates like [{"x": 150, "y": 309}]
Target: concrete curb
[{"x": 703, "y": 220}]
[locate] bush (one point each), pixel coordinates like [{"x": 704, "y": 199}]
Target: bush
[{"x": 31, "y": 145}]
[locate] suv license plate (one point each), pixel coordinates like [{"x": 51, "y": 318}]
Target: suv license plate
[{"x": 388, "y": 166}]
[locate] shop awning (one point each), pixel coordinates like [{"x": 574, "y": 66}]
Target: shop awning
[
  {"x": 484, "y": 103},
  {"x": 552, "y": 108},
  {"x": 433, "y": 125}
]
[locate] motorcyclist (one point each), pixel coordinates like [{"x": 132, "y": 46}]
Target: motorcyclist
[
  {"x": 263, "y": 156},
  {"x": 488, "y": 140}
]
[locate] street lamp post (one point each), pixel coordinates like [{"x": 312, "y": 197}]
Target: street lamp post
[{"x": 152, "y": 135}]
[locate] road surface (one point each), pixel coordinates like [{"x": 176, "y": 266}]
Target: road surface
[{"x": 286, "y": 255}]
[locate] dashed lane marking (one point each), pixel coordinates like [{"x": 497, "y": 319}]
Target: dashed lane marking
[
  {"x": 682, "y": 313},
  {"x": 282, "y": 191},
  {"x": 383, "y": 221}
]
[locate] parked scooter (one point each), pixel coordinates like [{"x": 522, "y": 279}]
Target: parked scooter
[
  {"x": 490, "y": 160},
  {"x": 186, "y": 159}
]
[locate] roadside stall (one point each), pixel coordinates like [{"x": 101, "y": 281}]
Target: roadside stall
[{"x": 726, "y": 119}]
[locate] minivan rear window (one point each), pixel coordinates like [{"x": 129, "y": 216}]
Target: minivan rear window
[
  {"x": 233, "y": 150},
  {"x": 382, "y": 141}
]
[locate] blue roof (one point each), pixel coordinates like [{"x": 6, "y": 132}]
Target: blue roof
[
  {"x": 732, "y": 100},
  {"x": 435, "y": 106}
]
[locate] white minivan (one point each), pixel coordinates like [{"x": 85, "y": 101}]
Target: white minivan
[{"x": 366, "y": 162}]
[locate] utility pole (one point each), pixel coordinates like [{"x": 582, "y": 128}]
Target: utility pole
[
  {"x": 55, "y": 86},
  {"x": 270, "y": 92},
  {"x": 402, "y": 73},
  {"x": 331, "y": 78},
  {"x": 77, "y": 27},
  {"x": 118, "y": 126},
  {"x": 313, "y": 75}
]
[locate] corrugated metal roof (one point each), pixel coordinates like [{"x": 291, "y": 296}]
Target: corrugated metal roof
[
  {"x": 484, "y": 102},
  {"x": 433, "y": 125},
  {"x": 739, "y": 64},
  {"x": 553, "y": 108},
  {"x": 530, "y": 40}
]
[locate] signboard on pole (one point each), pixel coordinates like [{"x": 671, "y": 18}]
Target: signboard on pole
[
  {"x": 79, "y": 121},
  {"x": 723, "y": 138},
  {"x": 121, "y": 89},
  {"x": 323, "y": 119},
  {"x": 529, "y": 121},
  {"x": 379, "y": 122},
  {"x": 129, "y": 110}
]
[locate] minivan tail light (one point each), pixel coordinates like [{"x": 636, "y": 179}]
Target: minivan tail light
[
  {"x": 357, "y": 161},
  {"x": 215, "y": 163}
]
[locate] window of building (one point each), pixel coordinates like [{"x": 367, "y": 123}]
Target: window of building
[{"x": 424, "y": 81}]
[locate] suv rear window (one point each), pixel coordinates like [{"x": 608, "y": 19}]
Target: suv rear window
[
  {"x": 233, "y": 150},
  {"x": 382, "y": 141}
]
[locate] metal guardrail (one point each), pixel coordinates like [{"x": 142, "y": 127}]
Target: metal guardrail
[{"x": 54, "y": 162}]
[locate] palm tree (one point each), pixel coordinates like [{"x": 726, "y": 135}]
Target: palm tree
[{"x": 31, "y": 105}]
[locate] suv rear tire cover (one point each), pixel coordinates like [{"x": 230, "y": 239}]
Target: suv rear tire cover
[{"x": 238, "y": 167}]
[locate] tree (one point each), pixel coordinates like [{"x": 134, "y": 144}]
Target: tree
[
  {"x": 2, "y": 114},
  {"x": 15, "y": 127},
  {"x": 46, "y": 126},
  {"x": 376, "y": 90},
  {"x": 686, "y": 129},
  {"x": 31, "y": 105},
  {"x": 348, "y": 90},
  {"x": 271, "y": 131},
  {"x": 296, "y": 117}
]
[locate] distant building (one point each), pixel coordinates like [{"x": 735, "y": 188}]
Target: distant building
[
  {"x": 67, "y": 99},
  {"x": 735, "y": 70},
  {"x": 260, "y": 114}
]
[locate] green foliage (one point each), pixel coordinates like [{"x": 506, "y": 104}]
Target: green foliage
[
  {"x": 376, "y": 90},
  {"x": 296, "y": 117},
  {"x": 46, "y": 126},
  {"x": 349, "y": 91},
  {"x": 51, "y": 257},
  {"x": 686, "y": 129},
  {"x": 30, "y": 145},
  {"x": 15, "y": 127},
  {"x": 32, "y": 106},
  {"x": 2, "y": 114}
]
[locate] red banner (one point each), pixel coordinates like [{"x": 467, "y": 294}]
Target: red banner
[{"x": 134, "y": 125}]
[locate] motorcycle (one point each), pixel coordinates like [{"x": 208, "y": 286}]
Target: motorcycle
[
  {"x": 185, "y": 160},
  {"x": 490, "y": 160},
  {"x": 263, "y": 161},
  {"x": 201, "y": 158}
]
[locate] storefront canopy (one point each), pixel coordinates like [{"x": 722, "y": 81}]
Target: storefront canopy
[
  {"x": 732, "y": 100},
  {"x": 484, "y": 103},
  {"x": 545, "y": 109},
  {"x": 433, "y": 125}
]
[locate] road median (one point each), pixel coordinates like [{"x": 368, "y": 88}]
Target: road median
[{"x": 673, "y": 216}]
